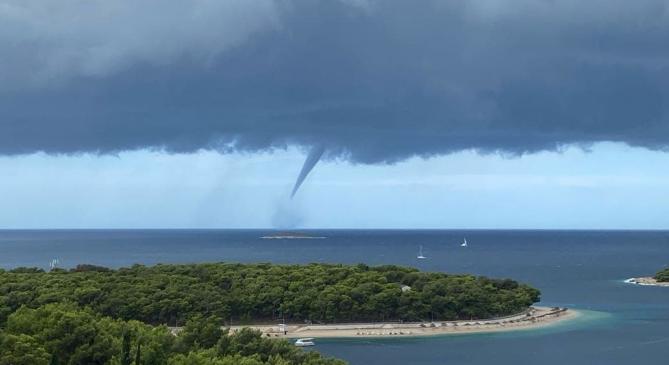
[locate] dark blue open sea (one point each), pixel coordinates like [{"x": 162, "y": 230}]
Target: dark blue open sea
[{"x": 623, "y": 323}]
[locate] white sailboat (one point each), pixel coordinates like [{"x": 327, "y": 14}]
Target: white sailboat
[
  {"x": 464, "y": 243},
  {"x": 420, "y": 253}
]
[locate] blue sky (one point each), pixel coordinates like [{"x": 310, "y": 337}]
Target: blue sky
[{"x": 611, "y": 186}]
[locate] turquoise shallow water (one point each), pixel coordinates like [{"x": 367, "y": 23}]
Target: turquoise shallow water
[{"x": 623, "y": 323}]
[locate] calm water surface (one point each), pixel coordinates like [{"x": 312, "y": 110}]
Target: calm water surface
[{"x": 623, "y": 324}]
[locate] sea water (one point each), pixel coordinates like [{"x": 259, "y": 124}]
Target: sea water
[{"x": 621, "y": 323}]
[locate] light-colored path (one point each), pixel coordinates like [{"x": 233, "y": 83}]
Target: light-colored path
[{"x": 533, "y": 318}]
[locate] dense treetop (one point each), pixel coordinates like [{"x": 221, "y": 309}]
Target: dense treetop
[
  {"x": 64, "y": 334},
  {"x": 95, "y": 315},
  {"x": 663, "y": 275},
  {"x": 245, "y": 293}
]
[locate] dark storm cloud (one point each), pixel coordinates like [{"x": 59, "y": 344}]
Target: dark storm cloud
[{"x": 369, "y": 80}]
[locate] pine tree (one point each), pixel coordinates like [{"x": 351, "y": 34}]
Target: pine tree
[
  {"x": 54, "y": 360},
  {"x": 125, "y": 349},
  {"x": 138, "y": 358}
]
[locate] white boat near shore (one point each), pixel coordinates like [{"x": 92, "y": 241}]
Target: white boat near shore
[{"x": 304, "y": 342}]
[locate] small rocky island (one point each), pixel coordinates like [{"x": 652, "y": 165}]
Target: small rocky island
[
  {"x": 290, "y": 236},
  {"x": 660, "y": 279}
]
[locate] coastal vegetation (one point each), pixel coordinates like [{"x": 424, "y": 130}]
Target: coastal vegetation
[
  {"x": 62, "y": 333},
  {"x": 662, "y": 276},
  {"x": 96, "y": 315},
  {"x": 253, "y": 293}
]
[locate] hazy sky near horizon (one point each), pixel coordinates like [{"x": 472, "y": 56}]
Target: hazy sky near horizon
[
  {"x": 610, "y": 187},
  {"x": 430, "y": 114}
]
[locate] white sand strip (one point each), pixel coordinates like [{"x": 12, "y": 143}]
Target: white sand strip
[{"x": 533, "y": 318}]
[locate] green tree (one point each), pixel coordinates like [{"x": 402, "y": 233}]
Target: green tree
[
  {"x": 200, "y": 332},
  {"x": 22, "y": 350},
  {"x": 125, "y": 348},
  {"x": 138, "y": 353},
  {"x": 75, "y": 337},
  {"x": 662, "y": 276}
]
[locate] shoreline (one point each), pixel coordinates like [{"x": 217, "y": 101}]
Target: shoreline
[
  {"x": 646, "y": 281},
  {"x": 536, "y": 317}
]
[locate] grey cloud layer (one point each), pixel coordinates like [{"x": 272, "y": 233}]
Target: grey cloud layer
[
  {"x": 47, "y": 41},
  {"x": 371, "y": 80}
]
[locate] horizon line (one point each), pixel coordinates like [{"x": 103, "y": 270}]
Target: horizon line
[{"x": 335, "y": 229}]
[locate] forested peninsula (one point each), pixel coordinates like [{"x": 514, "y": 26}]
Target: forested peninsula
[
  {"x": 96, "y": 315},
  {"x": 251, "y": 293}
]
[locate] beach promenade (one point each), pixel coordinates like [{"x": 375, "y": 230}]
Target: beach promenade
[{"x": 532, "y": 318}]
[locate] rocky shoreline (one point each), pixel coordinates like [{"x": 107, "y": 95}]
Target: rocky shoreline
[{"x": 646, "y": 281}]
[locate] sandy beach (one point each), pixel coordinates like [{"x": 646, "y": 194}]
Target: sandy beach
[
  {"x": 646, "y": 281},
  {"x": 533, "y": 318}
]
